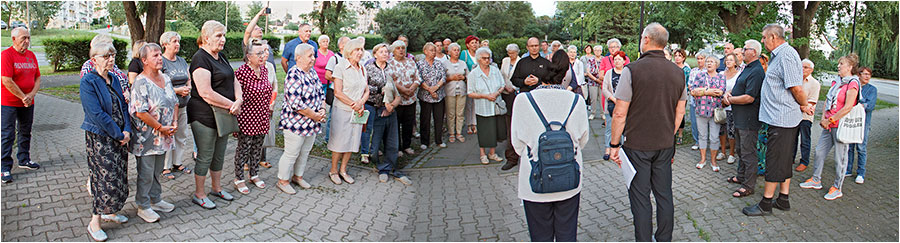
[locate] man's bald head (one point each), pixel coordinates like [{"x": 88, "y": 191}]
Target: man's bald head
[{"x": 533, "y": 45}]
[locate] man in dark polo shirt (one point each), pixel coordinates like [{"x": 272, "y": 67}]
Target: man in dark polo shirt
[
  {"x": 744, "y": 100},
  {"x": 530, "y": 71},
  {"x": 651, "y": 97}
]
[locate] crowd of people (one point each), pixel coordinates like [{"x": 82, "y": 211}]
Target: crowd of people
[{"x": 743, "y": 106}]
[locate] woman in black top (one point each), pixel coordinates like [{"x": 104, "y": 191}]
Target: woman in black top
[
  {"x": 135, "y": 67},
  {"x": 213, "y": 84}
]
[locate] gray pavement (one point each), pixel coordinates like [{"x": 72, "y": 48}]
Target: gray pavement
[{"x": 454, "y": 201}]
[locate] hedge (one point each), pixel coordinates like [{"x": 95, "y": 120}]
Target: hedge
[
  {"x": 371, "y": 40},
  {"x": 232, "y": 48},
  {"x": 69, "y": 53}
]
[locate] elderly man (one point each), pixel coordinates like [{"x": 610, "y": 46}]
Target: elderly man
[
  {"x": 21, "y": 81},
  {"x": 287, "y": 57},
  {"x": 650, "y": 104},
  {"x": 811, "y": 87},
  {"x": 744, "y": 101},
  {"x": 729, "y": 48},
  {"x": 739, "y": 52},
  {"x": 781, "y": 106}
]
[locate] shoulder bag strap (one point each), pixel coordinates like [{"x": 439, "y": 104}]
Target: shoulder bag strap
[
  {"x": 538, "y": 110},
  {"x": 574, "y": 102}
]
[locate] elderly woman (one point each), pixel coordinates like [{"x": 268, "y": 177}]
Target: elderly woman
[
  {"x": 701, "y": 63},
  {"x": 726, "y": 131},
  {"x": 457, "y": 71},
  {"x": 868, "y": 95},
  {"x": 154, "y": 110},
  {"x": 350, "y": 94},
  {"x": 256, "y": 92},
  {"x": 88, "y": 66},
  {"x": 431, "y": 94},
  {"x": 484, "y": 87},
  {"x": 679, "y": 58},
  {"x": 177, "y": 69},
  {"x": 485, "y": 43},
  {"x": 575, "y": 74},
  {"x": 472, "y": 44},
  {"x": 550, "y": 216},
  {"x": 507, "y": 67},
  {"x": 320, "y": 64},
  {"x": 406, "y": 78},
  {"x": 383, "y": 100},
  {"x": 610, "y": 83},
  {"x": 554, "y": 46},
  {"x": 107, "y": 131},
  {"x": 214, "y": 88},
  {"x": 707, "y": 89},
  {"x": 302, "y": 115},
  {"x": 592, "y": 78},
  {"x": 135, "y": 67},
  {"x": 841, "y": 98}
]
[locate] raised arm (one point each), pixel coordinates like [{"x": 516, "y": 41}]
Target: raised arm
[{"x": 252, "y": 24}]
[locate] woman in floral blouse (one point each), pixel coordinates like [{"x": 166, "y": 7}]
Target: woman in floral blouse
[
  {"x": 253, "y": 120},
  {"x": 593, "y": 80},
  {"x": 431, "y": 95},
  {"x": 707, "y": 89},
  {"x": 302, "y": 115},
  {"x": 154, "y": 109},
  {"x": 383, "y": 101},
  {"x": 405, "y": 76}
]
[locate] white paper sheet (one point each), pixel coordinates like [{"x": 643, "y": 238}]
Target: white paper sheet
[{"x": 627, "y": 169}]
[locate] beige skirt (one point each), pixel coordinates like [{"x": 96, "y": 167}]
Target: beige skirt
[{"x": 345, "y": 136}]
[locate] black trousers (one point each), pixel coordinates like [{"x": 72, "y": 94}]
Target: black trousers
[
  {"x": 431, "y": 112},
  {"x": 406, "y": 116},
  {"x": 510, "y": 153},
  {"x": 654, "y": 173},
  {"x": 553, "y": 221}
]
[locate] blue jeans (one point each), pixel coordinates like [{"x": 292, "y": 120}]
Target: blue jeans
[
  {"x": 861, "y": 151},
  {"x": 365, "y": 140},
  {"x": 16, "y": 124},
  {"x": 385, "y": 130},
  {"x": 805, "y": 142},
  {"x": 608, "y": 131},
  {"x": 694, "y": 132},
  {"x": 328, "y": 119}
]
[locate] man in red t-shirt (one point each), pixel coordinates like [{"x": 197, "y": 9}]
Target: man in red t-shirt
[{"x": 21, "y": 80}]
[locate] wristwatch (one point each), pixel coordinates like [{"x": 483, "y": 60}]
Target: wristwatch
[{"x": 611, "y": 145}]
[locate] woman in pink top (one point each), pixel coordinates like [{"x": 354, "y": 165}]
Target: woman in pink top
[
  {"x": 325, "y": 55},
  {"x": 840, "y": 99}
]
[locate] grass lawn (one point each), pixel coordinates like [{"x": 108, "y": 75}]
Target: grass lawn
[
  {"x": 68, "y": 92},
  {"x": 38, "y": 35},
  {"x": 47, "y": 70}
]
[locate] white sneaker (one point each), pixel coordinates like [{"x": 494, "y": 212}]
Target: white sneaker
[
  {"x": 148, "y": 215},
  {"x": 162, "y": 206},
  {"x": 860, "y": 179},
  {"x": 591, "y": 117},
  {"x": 442, "y": 145},
  {"x": 409, "y": 151},
  {"x": 417, "y": 135},
  {"x": 720, "y": 156},
  {"x": 364, "y": 158},
  {"x": 423, "y": 146},
  {"x": 731, "y": 159},
  {"x": 695, "y": 147},
  {"x": 383, "y": 178}
]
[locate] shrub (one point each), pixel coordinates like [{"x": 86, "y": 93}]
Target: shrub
[
  {"x": 233, "y": 46},
  {"x": 498, "y": 47},
  {"x": 69, "y": 53}
]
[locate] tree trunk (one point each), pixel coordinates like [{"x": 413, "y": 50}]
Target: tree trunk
[
  {"x": 738, "y": 20},
  {"x": 135, "y": 27},
  {"x": 803, "y": 16},
  {"x": 156, "y": 21},
  {"x": 325, "y": 6}
]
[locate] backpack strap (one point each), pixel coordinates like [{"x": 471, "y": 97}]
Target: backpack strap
[
  {"x": 574, "y": 102},
  {"x": 538, "y": 110}
]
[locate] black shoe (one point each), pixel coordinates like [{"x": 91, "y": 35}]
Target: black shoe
[
  {"x": 7, "y": 177},
  {"x": 509, "y": 165},
  {"x": 782, "y": 204},
  {"x": 606, "y": 157},
  {"x": 755, "y": 210},
  {"x": 29, "y": 165}
]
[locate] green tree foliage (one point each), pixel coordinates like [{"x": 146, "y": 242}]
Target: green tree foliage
[
  {"x": 334, "y": 18},
  {"x": 499, "y": 18},
  {"x": 602, "y": 20},
  {"x": 203, "y": 11},
  {"x": 41, "y": 12},
  {"x": 116, "y": 13},
  {"x": 446, "y": 26},
  {"x": 403, "y": 20},
  {"x": 876, "y": 38}
]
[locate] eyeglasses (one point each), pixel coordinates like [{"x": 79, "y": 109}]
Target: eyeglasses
[
  {"x": 259, "y": 53},
  {"x": 108, "y": 55},
  {"x": 485, "y": 58}
]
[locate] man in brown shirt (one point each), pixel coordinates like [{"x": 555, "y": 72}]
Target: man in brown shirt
[{"x": 649, "y": 106}]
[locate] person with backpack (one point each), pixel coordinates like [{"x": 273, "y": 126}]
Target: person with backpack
[{"x": 551, "y": 206}]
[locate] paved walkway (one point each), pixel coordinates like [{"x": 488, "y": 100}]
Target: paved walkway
[{"x": 445, "y": 203}]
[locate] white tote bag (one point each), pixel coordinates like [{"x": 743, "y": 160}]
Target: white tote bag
[{"x": 851, "y": 128}]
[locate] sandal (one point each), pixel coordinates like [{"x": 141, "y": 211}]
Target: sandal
[
  {"x": 258, "y": 182},
  {"x": 265, "y": 164},
  {"x": 746, "y": 192},
  {"x": 452, "y": 139},
  {"x": 700, "y": 166},
  {"x": 168, "y": 174},
  {"x": 715, "y": 169},
  {"x": 460, "y": 138},
  {"x": 335, "y": 178},
  {"x": 347, "y": 177},
  {"x": 733, "y": 179},
  {"x": 241, "y": 187},
  {"x": 182, "y": 169}
]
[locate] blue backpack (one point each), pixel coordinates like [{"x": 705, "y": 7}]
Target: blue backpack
[{"x": 555, "y": 169}]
